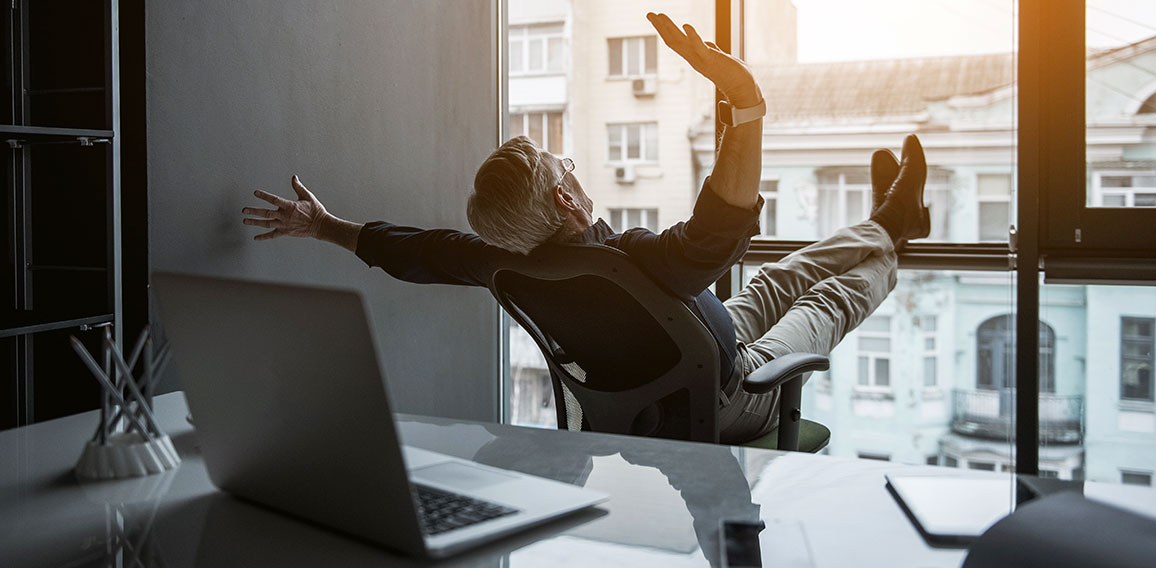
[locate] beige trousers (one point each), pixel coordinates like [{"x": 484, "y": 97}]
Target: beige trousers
[{"x": 806, "y": 302}]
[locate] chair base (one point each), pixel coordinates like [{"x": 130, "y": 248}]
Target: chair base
[{"x": 813, "y": 437}]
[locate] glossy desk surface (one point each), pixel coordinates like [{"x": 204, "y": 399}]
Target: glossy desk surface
[{"x": 666, "y": 500}]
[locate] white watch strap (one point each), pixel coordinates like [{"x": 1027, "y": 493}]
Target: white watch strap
[{"x": 741, "y": 115}]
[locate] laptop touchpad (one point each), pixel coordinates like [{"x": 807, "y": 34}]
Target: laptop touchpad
[{"x": 460, "y": 475}]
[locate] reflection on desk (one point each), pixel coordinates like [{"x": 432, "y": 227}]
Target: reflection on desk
[{"x": 666, "y": 500}]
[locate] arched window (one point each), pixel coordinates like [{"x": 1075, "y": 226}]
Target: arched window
[{"x": 995, "y": 348}]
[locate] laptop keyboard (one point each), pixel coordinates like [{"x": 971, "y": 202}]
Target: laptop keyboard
[{"x": 442, "y": 511}]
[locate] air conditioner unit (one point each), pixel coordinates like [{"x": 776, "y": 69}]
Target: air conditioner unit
[
  {"x": 644, "y": 87},
  {"x": 624, "y": 173}
]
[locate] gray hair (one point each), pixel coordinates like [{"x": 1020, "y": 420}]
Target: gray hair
[{"x": 512, "y": 205}]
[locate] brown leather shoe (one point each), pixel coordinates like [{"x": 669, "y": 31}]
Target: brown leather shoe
[
  {"x": 884, "y": 170},
  {"x": 907, "y": 191}
]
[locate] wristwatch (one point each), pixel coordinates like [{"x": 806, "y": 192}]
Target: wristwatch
[{"x": 731, "y": 116}]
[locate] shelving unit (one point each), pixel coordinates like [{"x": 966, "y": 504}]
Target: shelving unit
[{"x": 61, "y": 274}]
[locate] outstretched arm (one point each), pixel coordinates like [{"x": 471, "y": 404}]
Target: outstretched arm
[
  {"x": 739, "y": 165},
  {"x": 305, "y": 217}
]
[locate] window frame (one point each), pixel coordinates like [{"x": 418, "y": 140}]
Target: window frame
[
  {"x": 873, "y": 357},
  {"x": 526, "y": 37},
  {"x": 618, "y": 216},
  {"x": 644, "y": 41},
  {"x": 644, "y": 128},
  {"x": 1151, "y": 360}
]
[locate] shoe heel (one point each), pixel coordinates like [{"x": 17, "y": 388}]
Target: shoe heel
[{"x": 925, "y": 223}]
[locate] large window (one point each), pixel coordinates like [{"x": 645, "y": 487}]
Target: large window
[
  {"x": 632, "y": 56},
  {"x": 1136, "y": 358},
  {"x": 1083, "y": 205}
]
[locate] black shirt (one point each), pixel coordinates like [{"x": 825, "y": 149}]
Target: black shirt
[{"x": 685, "y": 259}]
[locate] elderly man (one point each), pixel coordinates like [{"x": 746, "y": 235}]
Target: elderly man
[{"x": 524, "y": 197}]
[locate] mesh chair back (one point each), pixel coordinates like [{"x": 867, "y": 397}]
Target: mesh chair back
[{"x": 622, "y": 352}]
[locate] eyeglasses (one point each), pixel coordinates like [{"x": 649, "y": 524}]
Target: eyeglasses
[{"x": 567, "y": 167}]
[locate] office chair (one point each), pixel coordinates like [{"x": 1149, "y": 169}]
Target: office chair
[{"x": 627, "y": 357}]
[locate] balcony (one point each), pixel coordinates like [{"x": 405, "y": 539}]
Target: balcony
[{"x": 988, "y": 413}]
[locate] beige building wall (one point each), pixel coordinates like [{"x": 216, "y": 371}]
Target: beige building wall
[{"x": 682, "y": 98}]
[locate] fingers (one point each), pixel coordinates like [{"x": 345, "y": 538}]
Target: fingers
[
  {"x": 266, "y": 223},
  {"x": 302, "y": 191},
  {"x": 692, "y": 34},
  {"x": 671, "y": 35},
  {"x": 266, "y": 236},
  {"x": 279, "y": 202},
  {"x": 266, "y": 213}
]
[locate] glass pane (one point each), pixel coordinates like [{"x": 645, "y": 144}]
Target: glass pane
[
  {"x": 581, "y": 44},
  {"x": 993, "y": 185},
  {"x": 614, "y": 48},
  {"x": 1120, "y": 95},
  {"x": 1100, "y": 418},
  {"x": 556, "y": 61},
  {"x": 517, "y": 56},
  {"x": 651, "y": 49},
  {"x": 876, "y": 323},
  {"x": 535, "y": 131},
  {"x": 517, "y": 124},
  {"x": 875, "y": 344},
  {"x": 633, "y": 218},
  {"x": 536, "y": 59},
  {"x": 994, "y": 221},
  {"x": 555, "y": 130},
  {"x": 832, "y": 82},
  {"x": 883, "y": 372},
  {"x": 651, "y": 143},
  {"x": 955, "y": 416},
  {"x": 634, "y": 56},
  {"x": 633, "y": 142}
]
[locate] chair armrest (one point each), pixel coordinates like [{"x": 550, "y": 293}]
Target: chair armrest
[{"x": 782, "y": 369}]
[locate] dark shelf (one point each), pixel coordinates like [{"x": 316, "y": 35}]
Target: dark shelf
[
  {"x": 50, "y": 134},
  {"x": 21, "y": 324}
]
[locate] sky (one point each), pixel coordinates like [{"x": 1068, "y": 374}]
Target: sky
[{"x": 833, "y": 30}]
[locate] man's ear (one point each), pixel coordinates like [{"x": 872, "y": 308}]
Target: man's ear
[{"x": 563, "y": 198}]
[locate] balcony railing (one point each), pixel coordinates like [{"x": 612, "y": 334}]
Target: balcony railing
[{"x": 988, "y": 413}]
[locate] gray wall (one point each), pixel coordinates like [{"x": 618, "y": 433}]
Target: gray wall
[{"x": 384, "y": 109}]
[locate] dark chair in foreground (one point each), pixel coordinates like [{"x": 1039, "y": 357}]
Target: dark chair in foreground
[{"x": 627, "y": 357}]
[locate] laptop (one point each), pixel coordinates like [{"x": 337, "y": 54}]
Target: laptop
[{"x": 291, "y": 412}]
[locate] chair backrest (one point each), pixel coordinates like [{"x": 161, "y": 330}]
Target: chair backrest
[{"x": 624, "y": 355}]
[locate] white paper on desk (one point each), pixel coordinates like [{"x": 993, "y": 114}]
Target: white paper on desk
[{"x": 783, "y": 544}]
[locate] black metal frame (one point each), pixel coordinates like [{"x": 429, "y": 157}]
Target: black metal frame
[{"x": 21, "y": 139}]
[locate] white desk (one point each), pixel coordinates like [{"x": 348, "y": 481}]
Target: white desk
[{"x": 666, "y": 499}]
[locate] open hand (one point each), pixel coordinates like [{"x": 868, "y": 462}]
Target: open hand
[
  {"x": 301, "y": 218},
  {"x": 729, "y": 74}
]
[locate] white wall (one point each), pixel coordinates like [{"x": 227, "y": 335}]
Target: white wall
[{"x": 384, "y": 109}]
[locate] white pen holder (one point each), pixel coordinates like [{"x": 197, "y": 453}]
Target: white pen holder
[
  {"x": 126, "y": 455},
  {"x": 128, "y": 442}
]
